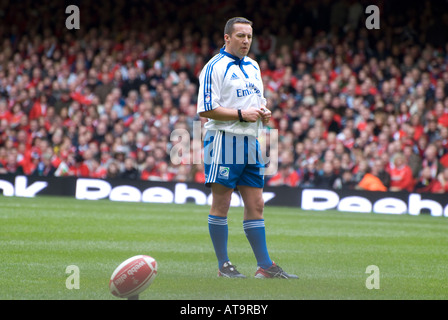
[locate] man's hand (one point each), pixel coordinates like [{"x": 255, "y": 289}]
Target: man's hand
[
  {"x": 266, "y": 116},
  {"x": 252, "y": 114}
]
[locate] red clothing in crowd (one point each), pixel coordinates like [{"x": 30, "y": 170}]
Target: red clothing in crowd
[
  {"x": 401, "y": 178},
  {"x": 199, "y": 177},
  {"x": 291, "y": 179},
  {"x": 6, "y": 114},
  {"x": 147, "y": 175},
  {"x": 437, "y": 187},
  {"x": 38, "y": 110},
  {"x": 80, "y": 170}
]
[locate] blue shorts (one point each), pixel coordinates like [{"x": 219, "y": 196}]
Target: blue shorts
[{"x": 232, "y": 160}]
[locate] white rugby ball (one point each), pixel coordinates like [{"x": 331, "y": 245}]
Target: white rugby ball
[{"x": 133, "y": 276}]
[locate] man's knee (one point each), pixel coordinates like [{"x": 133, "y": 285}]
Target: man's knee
[
  {"x": 258, "y": 208},
  {"x": 254, "y": 208},
  {"x": 221, "y": 200}
]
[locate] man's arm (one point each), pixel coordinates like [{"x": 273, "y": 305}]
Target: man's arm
[{"x": 225, "y": 114}]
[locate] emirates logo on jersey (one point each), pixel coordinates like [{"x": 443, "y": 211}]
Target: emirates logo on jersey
[{"x": 250, "y": 89}]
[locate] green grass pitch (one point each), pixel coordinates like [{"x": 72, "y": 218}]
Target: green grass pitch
[{"x": 330, "y": 251}]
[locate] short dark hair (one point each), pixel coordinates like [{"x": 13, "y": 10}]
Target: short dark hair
[{"x": 228, "y": 29}]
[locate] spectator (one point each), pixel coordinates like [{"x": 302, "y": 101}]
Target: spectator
[
  {"x": 431, "y": 160},
  {"x": 441, "y": 184},
  {"x": 345, "y": 181},
  {"x": 103, "y": 89},
  {"x": 414, "y": 160},
  {"x": 426, "y": 182},
  {"x": 130, "y": 171},
  {"x": 45, "y": 168},
  {"x": 96, "y": 170},
  {"x": 149, "y": 168},
  {"x": 329, "y": 121},
  {"x": 379, "y": 171},
  {"x": 286, "y": 176},
  {"x": 77, "y": 167},
  {"x": 197, "y": 173},
  {"x": 309, "y": 175},
  {"x": 326, "y": 177},
  {"x": 113, "y": 170},
  {"x": 400, "y": 174},
  {"x": 360, "y": 170},
  {"x": 375, "y": 178},
  {"x": 162, "y": 173},
  {"x": 12, "y": 166},
  {"x": 182, "y": 174}
]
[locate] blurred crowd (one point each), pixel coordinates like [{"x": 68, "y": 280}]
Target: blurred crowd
[{"x": 354, "y": 108}]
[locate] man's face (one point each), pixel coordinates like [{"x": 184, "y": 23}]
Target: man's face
[{"x": 238, "y": 43}]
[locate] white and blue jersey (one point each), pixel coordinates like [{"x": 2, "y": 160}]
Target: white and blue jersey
[
  {"x": 232, "y": 153},
  {"x": 233, "y": 83}
]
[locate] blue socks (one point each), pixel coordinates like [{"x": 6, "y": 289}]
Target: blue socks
[
  {"x": 256, "y": 234},
  {"x": 219, "y": 231}
]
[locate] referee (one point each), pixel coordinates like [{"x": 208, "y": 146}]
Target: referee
[{"x": 231, "y": 97}]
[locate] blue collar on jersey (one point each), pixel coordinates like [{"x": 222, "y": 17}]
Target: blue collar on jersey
[{"x": 237, "y": 61}]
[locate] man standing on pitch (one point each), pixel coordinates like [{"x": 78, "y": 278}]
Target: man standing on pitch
[{"x": 231, "y": 97}]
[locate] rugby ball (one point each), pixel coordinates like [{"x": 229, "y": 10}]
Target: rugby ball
[{"x": 133, "y": 276}]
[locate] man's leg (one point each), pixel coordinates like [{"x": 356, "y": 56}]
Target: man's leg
[
  {"x": 255, "y": 232},
  {"x": 254, "y": 224},
  {"x": 217, "y": 221},
  {"x": 218, "y": 229}
]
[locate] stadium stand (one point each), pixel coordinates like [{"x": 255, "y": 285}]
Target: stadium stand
[{"x": 103, "y": 100}]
